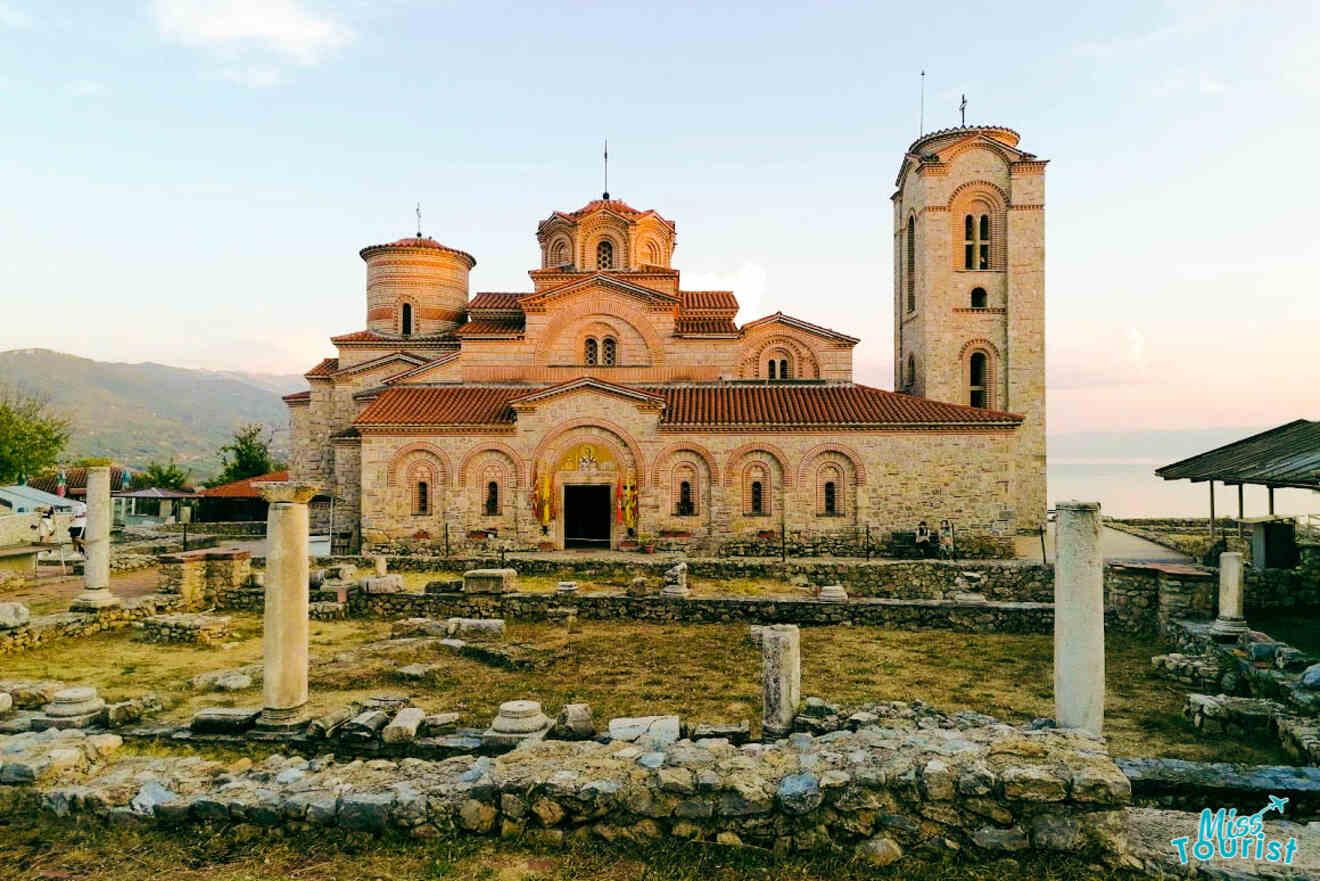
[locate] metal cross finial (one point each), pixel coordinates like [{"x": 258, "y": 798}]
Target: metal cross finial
[
  {"x": 962, "y": 108},
  {"x": 419, "y": 220},
  {"x": 606, "y": 194}
]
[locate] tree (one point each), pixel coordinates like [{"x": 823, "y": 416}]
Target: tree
[
  {"x": 247, "y": 455},
  {"x": 31, "y": 434},
  {"x": 161, "y": 475}
]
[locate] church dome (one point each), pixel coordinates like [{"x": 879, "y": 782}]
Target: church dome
[
  {"x": 616, "y": 205},
  {"x": 418, "y": 242}
]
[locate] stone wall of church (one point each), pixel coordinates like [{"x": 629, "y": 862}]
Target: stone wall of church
[{"x": 887, "y": 480}]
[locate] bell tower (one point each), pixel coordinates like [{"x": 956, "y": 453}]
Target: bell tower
[{"x": 969, "y": 286}]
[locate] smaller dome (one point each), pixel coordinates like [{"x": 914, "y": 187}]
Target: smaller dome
[
  {"x": 416, "y": 242},
  {"x": 616, "y": 205}
]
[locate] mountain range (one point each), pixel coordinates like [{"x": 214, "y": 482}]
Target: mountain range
[{"x": 139, "y": 413}]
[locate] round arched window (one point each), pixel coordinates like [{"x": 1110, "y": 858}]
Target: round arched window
[{"x": 605, "y": 254}]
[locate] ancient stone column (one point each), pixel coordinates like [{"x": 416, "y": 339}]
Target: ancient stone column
[
  {"x": 1079, "y": 618},
  {"x": 96, "y": 569},
  {"x": 284, "y": 636},
  {"x": 781, "y": 678},
  {"x": 1230, "y": 622}
]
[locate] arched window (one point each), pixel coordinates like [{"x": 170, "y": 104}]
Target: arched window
[
  {"x": 978, "y": 298},
  {"x": 911, "y": 372},
  {"x": 492, "y": 498},
  {"x": 653, "y": 254},
  {"x": 770, "y": 369},
  {"x": 609, "y": 352},
  {"x": 783, "y": 369},
  {"x": 758, "y": 499},
  {"x": 559, "y": 256},
  {"x": 976, "y": 376},
  {"x": 406, "y": 321},
  {"x": 422, "y": 501},
  {"x": 831, "y": 505},
  {"x": 605, "y": 254},
  {"x": 685, "y": 507},
  {"x": 912, "y": 264},
  {"x": 592, "y": 354},
  {"x": 976, "y": 242}
]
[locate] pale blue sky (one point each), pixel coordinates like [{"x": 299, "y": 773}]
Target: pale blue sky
[{"x": 190, "y": 182}]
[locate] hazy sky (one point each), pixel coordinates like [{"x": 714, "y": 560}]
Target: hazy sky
[{"x": 190, "y": 182}]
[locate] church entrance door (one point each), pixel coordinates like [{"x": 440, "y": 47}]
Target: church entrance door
[{"x": 587, "y": 515}]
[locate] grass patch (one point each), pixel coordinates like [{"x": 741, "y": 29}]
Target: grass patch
[{"x": 45, "y": 848}]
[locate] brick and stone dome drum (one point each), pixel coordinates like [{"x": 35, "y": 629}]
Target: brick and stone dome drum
[{"x": 416, "y": 286}]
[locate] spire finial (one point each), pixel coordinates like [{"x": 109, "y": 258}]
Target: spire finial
[
  {"x": 962, "y": 108},
  {"x": 921, "y": 119},
  {"x": 606, "y": 194},
  {"x": 419, "y": 220}
]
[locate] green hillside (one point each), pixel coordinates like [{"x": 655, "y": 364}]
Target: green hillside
[{"x": 136, "y": 413}]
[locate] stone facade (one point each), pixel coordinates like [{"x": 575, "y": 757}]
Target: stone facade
[{"x": 498, "y": 414}]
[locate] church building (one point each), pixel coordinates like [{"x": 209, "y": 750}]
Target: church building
[{"x": 607, "y": 401}]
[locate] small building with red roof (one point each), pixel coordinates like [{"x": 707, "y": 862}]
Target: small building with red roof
[{"x": 606, "y": 400}]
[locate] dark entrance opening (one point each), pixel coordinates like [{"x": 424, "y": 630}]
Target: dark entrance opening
[{"x": 587, "y": 514}]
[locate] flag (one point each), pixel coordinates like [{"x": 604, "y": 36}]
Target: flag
[
  {"x": 61, "y": 485},
  {"x": 125, "y": 479},
  {"x": 618, "y": 501}
]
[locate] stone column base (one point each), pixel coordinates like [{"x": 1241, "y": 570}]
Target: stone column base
[
  {"x": 1227, "y": 629},
  {"x": 92, "y": 600},
  {"x": 281, "y": 718}
]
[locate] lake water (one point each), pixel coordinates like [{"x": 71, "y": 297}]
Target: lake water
[{"x": 1129, "y": 490}]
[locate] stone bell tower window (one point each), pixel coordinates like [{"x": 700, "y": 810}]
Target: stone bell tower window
[
  {"x": 609, "y": 352},
  {"x": 912, "y": 265},
  {"x": 492, "y": 498},
  {"x": 976, "y": 379},
  {"x": 422, "y": 500},
  {"x": 406, "y": 321},
  {"x": 605, "y": 255},
  {"x": 592, "y": 354},
  {"x": 976, "y": 241},
  {"x": 978, "y": 298}
]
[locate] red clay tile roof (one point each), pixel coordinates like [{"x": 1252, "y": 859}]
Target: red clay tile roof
[
  {"x": 490, "y": 327},
  {"x": 688, "y": 326},
  {"x": 371, "y": 336},
  {"x": 505, "y": 301},
  {"x": 415, "y": 242},
  {"x": 75, "y": 483},
  {"x": 298, "y": 396},
  {"x": 713, "y": 405},
  {"x": 806, "y": 325},
  {"x": 817, "y": 405},
  {"x": 714, "y": 301},
  {"x": 442, "y": 405},
  {"x": 242, "y": 489},
  {"x": 325, "y": 368},
  {"x": 618, "y": 206}
]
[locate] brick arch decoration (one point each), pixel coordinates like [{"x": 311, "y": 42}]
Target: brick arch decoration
[
  {"x": 803, "y": 356},
  {"x": 859, "y": 469},
  {"x": 519, "y": 468},
  {"x": 624, "y": 438},
  {"x": 732, "y": 470},
  {"x": 991, "y": 370},
  {"x": 634, "y": 318},
  {"x": 987, "y": 146},
  {"x": 401, "y": 455},
  {"x": 686, "y": 447},
  {"x": 997, "y": 201},
  {"x": 972, "y": 345},
  {"x": 994, "y": 189}
]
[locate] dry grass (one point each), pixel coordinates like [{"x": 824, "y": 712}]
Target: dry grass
[
  {"x": 42, "y": 849},
  {"x": 702, "y": 672}
]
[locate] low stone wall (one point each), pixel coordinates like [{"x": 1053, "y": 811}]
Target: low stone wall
[
  {"x": 199, "y": 577},
  {"x": 1193, "y": 786},
  {"x": 64, "y": 625},
  {"x": 882, "y": 792},
  {"x": 184, "y": 627},
  {"x": 256, "y": 528}
]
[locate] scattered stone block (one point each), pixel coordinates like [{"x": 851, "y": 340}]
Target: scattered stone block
[
  {"x": 575, "y": 723},
  {"x": 639, "y": 587},
  {"x": 476, "y": 627},
  {"x": 6, "y": 703},
  {"x": 408, "y": 627},
  {"x": 383, "y": 584},
  {"x": 566, "y": 587},
  {"x": 77, "y": 707},
  {"x": 440, "y": 723},
  {"x": 364, "y": 727},
  {"x": 652, "y": 732},
  {"x": 30, "y": 695},
  {"x": 227, "y": 680},
  {"x": 414, "y": 672},
  {"x": 832, "y": 593},
  {"x": 132, "y": 710},
  {"x": 184, "y": 627},
  {"x": 327, "y": 611},
  {"x": 676, "y": 584},
  {"x": 13, "y": 615},
  {"x": 340, "y": 572},
  {"x": 224, "y": 720},
  {"x": 490, "y": 581},
  {"x": 403, "y": 727},
  {"x": 737, "y": 733},
  {"x": 518, "y": 722},
  {"x": 448, "y": 585},
  {"x": 328, "y": 726}
]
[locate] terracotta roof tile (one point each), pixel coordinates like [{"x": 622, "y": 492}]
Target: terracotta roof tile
[
  {"x": 490, "y": 327},
  {"x": 242, "y": 489},
  {"x": 714, "y": 405},
  {"x": 714, "y": 301},
  {"x": 325, "y": 368},
  {"x": 806, "y": 325},
  {"x": 442, "y": 405},
  {"x": 505, "y": 301},
  {"x": 684, "y": 325},
  {"x": 372, "y": 336},
  {"x": 75, "y": 481},
  {"x": 298, "y": 396},
  {"x": 416, "y": 242}
]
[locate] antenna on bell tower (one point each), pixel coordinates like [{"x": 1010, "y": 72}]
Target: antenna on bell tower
[
  {"x": 962, "y": 108},
  {"x": 606, "y": 194},
  {"x": 419, "y": 220}
]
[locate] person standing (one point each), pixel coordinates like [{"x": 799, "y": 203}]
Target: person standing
[{"x": 77, "y": 529}]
